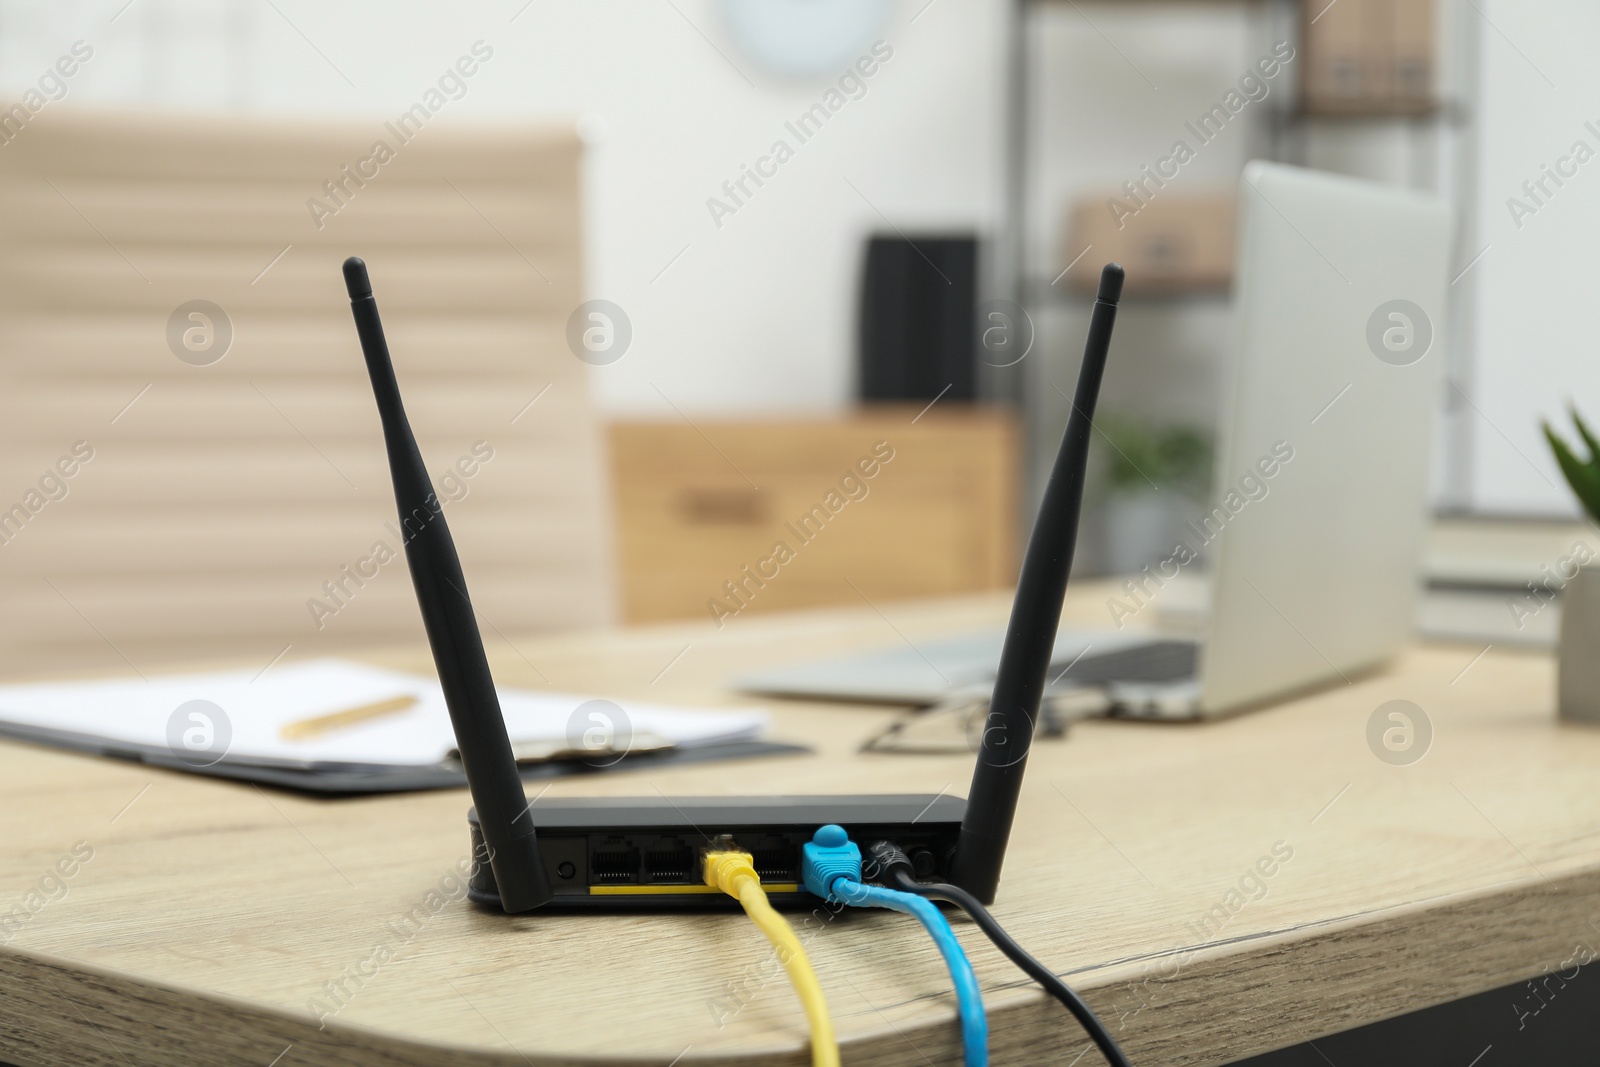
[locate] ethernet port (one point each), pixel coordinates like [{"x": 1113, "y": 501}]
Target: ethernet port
[
  {"x": 614, "y": 860},
  {"x": 777, "y": 863},
  {"x": 669, "y": 859}
]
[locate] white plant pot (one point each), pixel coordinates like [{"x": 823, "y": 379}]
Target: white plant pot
[
  {"x": 1578, "y": 667},
  {"x": 1141, "y": 528}
]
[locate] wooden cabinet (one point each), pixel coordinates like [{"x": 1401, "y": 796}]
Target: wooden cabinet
[{"x": 722, "y": 518}]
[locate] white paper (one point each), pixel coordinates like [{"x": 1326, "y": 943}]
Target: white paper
[{"x": 244, "y": 713}]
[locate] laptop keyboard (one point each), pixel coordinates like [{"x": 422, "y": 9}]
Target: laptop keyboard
[{"x": 1158, "y": 661}]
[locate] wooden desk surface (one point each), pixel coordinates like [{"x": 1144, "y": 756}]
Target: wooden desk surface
[{"x": 211, "y": 915}]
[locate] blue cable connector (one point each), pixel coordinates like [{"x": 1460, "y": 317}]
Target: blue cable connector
[{"x": 831, "y": 868}]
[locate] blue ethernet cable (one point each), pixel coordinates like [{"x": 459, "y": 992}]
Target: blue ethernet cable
[{"x": 831, "y": 869}]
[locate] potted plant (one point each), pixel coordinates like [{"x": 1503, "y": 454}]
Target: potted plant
[
  {"x": 1578, "y": 654},
  {"x": 1155, "y": 475}
]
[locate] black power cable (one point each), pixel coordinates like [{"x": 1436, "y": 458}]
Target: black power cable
[{"x": 897, "y": 867}]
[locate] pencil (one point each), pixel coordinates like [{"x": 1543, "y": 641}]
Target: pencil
[{"x": 303, "y": 729}]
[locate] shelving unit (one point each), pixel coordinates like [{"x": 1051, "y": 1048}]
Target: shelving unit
[{"x": 1288, "y": 134}]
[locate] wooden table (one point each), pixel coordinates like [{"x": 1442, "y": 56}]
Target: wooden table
[{"x": 210, "y": 917}]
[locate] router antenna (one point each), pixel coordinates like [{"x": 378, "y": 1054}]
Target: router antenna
[
  {"x": 492, "y": 778},
  {"x": 1031, "y": 633}
]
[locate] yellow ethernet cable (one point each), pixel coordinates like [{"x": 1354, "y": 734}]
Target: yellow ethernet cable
[{"x": 735, "y": 874}]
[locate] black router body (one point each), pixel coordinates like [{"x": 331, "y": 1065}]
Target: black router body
[{"x": 611, "y": 852}]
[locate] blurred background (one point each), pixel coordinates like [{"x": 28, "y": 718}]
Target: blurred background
[{"x": 663, "y": 278}]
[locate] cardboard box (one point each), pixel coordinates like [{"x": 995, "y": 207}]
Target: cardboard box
[
  {"x": 1171, "y": 243},
  {"x": 1367, "y": 57},
  {"x": 1333, "y": 59},
  {"x": 1414, "y": 48}
]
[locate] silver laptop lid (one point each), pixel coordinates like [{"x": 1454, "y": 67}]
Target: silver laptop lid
[{"x": 1323, "y": 467}]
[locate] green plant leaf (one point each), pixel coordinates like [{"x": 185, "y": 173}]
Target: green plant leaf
[
  {"x": 1588, "y": 438},
  {"x": 1149, "y": 457},
  {"x": 1584, "y": 477}
]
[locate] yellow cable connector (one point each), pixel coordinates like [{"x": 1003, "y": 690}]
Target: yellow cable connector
[{"x": 735, "y": 874}]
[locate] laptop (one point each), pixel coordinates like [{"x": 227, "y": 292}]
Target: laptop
[{"x": 1314, "y": 532}]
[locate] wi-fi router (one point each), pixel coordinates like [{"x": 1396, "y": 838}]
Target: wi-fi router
[{"x": 610, "y": 852}]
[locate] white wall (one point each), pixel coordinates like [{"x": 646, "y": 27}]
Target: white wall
[
  {"x": 1535, "y": 294},
  {"x": 755, "y": 315}
]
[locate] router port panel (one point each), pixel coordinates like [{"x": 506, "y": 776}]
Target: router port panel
[
  {"x": 641, "y": 852},
  {"x": 577, "y": 862}
]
